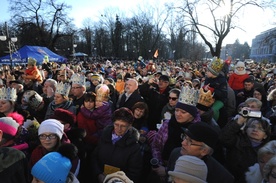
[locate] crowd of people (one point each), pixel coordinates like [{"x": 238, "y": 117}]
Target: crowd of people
[{"x": 138, "y": 121}]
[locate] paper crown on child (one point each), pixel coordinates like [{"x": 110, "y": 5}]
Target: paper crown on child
[
  {"x": 63, "y": 88},
  {"x": 8, "y": 94},
  {"x": 32, "y": 98},
  {"x": 102, "y": 92},
  {"x": 188, "y": 96},
  {"x": 205, "y": 100},
  {"x": 215, "y": 66},
  {"x": 78, "y": 79},
  {"x": 31, "y": 61}
]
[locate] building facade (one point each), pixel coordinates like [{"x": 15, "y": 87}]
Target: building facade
[{"x": 264, "y": 46}]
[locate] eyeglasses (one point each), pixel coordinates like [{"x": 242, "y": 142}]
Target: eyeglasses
[
  {"x": 50, "y": 137},
  {"x": 120, "y": 126},
  {"x": 189, "y": 140},
  {"x": 76, "y": 87},
  {"x": 173, "y": 98},
  {"x": 260, "y": 129}
]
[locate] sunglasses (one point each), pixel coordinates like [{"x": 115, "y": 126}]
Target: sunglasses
[{"x": 173, "y": 98}]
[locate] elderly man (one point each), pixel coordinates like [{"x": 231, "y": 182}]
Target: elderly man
[
  {"x": 200, "y": 140},
  {"x": 131, "y": 95}
]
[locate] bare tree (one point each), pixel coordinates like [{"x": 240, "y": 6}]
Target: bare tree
[
  {"x": 214, "y": 19},
  {"x": 48, "y": 18}
]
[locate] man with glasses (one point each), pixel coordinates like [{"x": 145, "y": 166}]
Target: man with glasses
[{"x": 200, "y": 140}]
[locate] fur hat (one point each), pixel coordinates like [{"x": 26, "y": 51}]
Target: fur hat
[
  {"x": 52, "y": 168},
  {"x": 203, "y": 132},
  {"x": 190, "y": 169},
  {"x": 51, "y": 126},
  {"x": 64, "y": 115},
  {"x": 240, "y": 64},
  {"x": 119, "y": 177}
]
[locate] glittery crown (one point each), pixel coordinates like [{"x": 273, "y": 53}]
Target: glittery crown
[
  {"x": 215, "y": 66},
  {"x": 78, "y": 79},
  {"x": 63, "y": 88},
  {"x": 206, "y": 98},
  {"x": 35, "y": 101},
  {"x": 8, "y": 94},
  {"x": 189, "y": 96}
]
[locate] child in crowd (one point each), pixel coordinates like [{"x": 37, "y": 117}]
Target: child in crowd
[{"x": 217, "y": 84}]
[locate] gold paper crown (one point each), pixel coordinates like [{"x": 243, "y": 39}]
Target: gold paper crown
[
  {"x": 8, "y": 94},
  {"x": 189, "y": 96},
  {"x": 206, "y": 98},
  {"x": 63, "y": 88},
  {"x": 102, "y": 92},
  {"x": 215, "y": 66},
  {"x": 78, "y": 79}
]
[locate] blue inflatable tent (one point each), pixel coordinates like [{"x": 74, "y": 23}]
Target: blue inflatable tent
[{"x": 37, "y": 52}]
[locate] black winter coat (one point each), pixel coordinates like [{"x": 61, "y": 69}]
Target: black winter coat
[
  {"x": 240, "y": 153},
  {"x": 129, "y": 103},
  {"x": 124, "y": 154}
]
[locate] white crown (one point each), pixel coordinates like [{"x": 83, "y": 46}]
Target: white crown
[
  {"x": 8, "y": 94},
  {"x": 63, "y": 89},
  {"x": 189, "y": 96},
  {"x": 78, "y": 79}
]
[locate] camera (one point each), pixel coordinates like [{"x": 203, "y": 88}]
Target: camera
[
  {"x": 249, "y": 113},
  {"x": 154, "y": 163}
]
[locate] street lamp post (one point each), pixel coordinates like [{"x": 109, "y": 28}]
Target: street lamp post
[
  {"x": 74, "y": 51},
  {"x": 11, "y": 41}
]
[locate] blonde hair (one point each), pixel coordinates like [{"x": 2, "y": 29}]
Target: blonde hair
[{"x": 270, "y": 95}]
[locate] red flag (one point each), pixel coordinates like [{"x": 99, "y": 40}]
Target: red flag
[{"x": 155, "y": 54}]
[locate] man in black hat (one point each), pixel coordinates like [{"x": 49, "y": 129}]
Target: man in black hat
[{"x": 200, "y": 140}]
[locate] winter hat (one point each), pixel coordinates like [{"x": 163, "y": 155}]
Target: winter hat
[
  {"x": 51, "y": 126},
  {"x": 215, "y": 66},
  {"x": 203, "y": 132},
  {"x": 187, "y": 100},
  {"x": 240, "y": 64},
  {"x": 64, "y": 116},
  {"x": 119, "y": 177},
  {"x": 96, "y": 77},
  {"x": 164, "y": 78},
  {"x": 190, "y": 169},
  {"x": 8, "y": 125},
  {"x": 52, "y": 168}
]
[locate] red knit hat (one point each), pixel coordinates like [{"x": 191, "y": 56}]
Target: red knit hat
[{"x": 64, "y": 115}]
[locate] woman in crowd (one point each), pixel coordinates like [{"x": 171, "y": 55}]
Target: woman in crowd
[
  {"x": 168, "y": 109},
  {"x": 61, "y": 100},
  {"x": 118, "y": 148},
  {"x": 243, "y": 137}
]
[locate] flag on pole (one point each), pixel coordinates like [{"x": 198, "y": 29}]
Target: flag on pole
[{"x": 155, "y": 54}]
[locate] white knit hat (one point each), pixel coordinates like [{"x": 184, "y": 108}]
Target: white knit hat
[
  {"x": 51, "y": 126},
  {"x": 240, "y": 64},
  {"x": 190, "y": 169}
]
